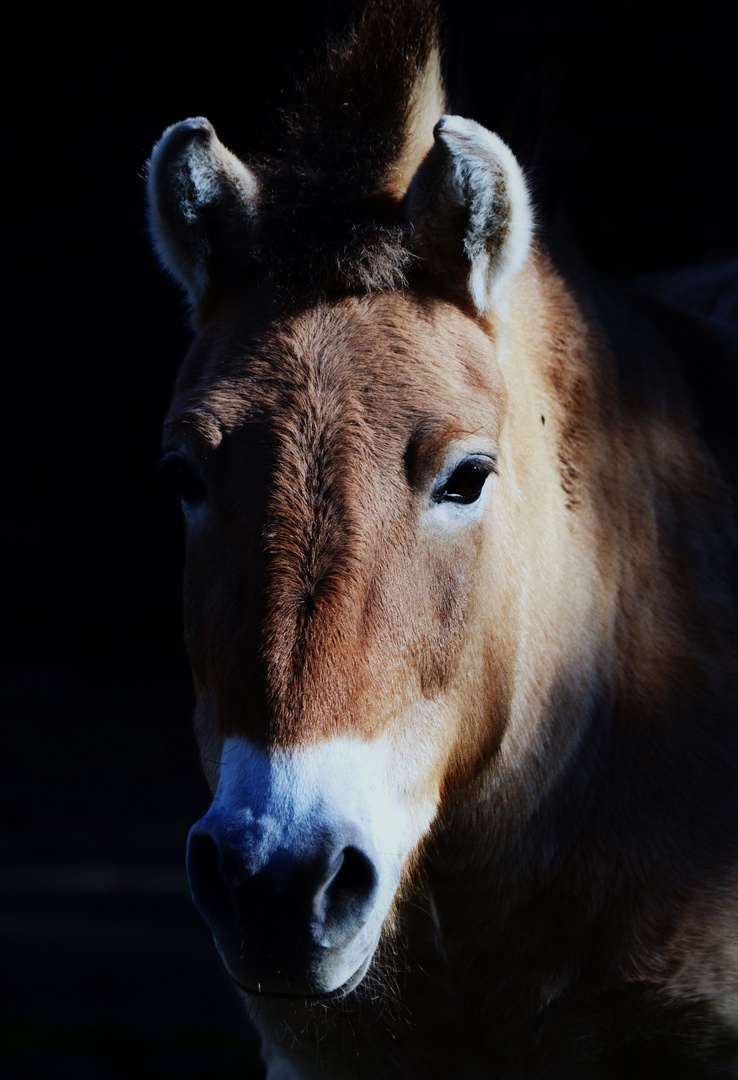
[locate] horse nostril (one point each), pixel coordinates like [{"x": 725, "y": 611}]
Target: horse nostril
[
  {"x": 350, "y": 892},
  {"x": 210, "y": 891}
]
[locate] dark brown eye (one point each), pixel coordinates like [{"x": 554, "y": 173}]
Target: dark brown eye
[
  {"x": 465, "y": 483},
  {"x": 183, "y": 479}
]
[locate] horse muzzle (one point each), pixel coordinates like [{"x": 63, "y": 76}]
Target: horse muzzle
[{"x": 293, "y": 880}]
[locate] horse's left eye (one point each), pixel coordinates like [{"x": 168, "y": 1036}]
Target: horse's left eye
[
  {"x": 183, "y": 478},
  {"x": 465, "y": 483}
]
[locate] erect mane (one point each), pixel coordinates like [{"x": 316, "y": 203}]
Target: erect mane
[
  {"x": 355, "y": 104},
  {"x": 331, "y": 218}
]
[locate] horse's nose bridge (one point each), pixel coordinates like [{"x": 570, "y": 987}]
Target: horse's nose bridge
[{"x": 319, "y": 548}]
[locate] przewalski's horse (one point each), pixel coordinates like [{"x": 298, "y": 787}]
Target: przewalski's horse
[{"x": 459, "y": 605}]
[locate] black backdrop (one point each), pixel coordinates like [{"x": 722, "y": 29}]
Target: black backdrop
[{"x": 625, "y": 115}]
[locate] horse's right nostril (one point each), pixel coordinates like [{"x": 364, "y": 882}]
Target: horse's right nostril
[{"x": 210, "y": 891}]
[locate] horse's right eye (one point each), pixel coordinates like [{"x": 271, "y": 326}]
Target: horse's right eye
[{"x": 183, "y": 479}]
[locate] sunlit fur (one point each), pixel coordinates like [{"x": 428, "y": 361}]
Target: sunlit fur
[{"x": 544, "y": 680}]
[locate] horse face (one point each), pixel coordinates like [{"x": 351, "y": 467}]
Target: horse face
[{"x": 338, "y": 474}]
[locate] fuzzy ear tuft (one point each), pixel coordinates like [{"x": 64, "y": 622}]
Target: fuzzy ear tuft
[
  {"x": 202, "y": 206},
  {"x": 470, "y": 211}
]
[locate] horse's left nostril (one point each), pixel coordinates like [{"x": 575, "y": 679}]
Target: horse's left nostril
[
  {"x": 349, "y": 893},
  {"x": 209, "y": 886}
]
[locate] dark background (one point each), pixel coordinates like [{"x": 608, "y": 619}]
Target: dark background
[{"x": 625, "y": 116}]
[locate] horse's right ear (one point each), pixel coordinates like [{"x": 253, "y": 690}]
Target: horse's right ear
[{"x": 202, "y": 206}]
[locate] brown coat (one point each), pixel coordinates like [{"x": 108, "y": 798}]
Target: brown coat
[{"x": 460, "y": 606}]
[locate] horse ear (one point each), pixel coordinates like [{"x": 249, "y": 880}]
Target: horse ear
[
  {"x": 469, "y": 208},
  {"x": 202, "y": 206}
]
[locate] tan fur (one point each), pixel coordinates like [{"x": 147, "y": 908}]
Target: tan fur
[
  {"x": 556, "y": 675},
  {"x": 427, "y": 103},
  {"x": 510, "y": 632}
]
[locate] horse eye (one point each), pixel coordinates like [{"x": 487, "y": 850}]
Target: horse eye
[
  {"x": 183, "y": 478},
  {"x": 465, "y": 483}
]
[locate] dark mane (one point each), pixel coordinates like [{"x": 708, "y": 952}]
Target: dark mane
[{"x": 328, "y": 224}]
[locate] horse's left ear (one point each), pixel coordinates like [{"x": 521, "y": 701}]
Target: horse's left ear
[
  {"x": 469, "y": 208},
  {"x": 203, "y": 204}
]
